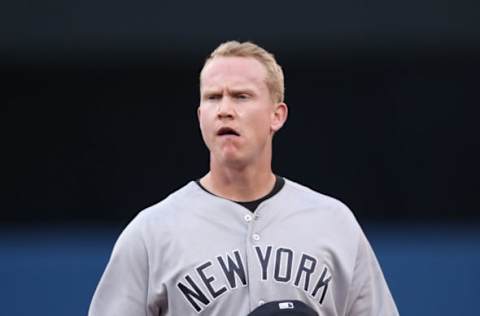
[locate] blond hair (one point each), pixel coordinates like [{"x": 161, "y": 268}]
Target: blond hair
[{"x": 274, "y": 79}]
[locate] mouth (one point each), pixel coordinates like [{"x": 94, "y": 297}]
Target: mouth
[{"x": 227, "y": 131}]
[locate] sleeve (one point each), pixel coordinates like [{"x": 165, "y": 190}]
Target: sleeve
[
  {"x": 123, "y": 287},
  {"x": 369, "y": 294}
]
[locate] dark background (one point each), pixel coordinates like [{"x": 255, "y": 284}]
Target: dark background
[
  {"x": 98, "y": 121},
  {"x": 99, "y": 99}
]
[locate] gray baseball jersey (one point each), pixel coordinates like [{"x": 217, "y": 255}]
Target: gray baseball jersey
[{"x": 198, "y": 254}]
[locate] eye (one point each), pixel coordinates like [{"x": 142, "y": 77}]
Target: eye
[
  {"x": 242, "y": 96},
  {"x": 213, "y": 97}
]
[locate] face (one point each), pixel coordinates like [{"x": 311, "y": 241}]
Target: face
[{"x": 237, "y": 115}]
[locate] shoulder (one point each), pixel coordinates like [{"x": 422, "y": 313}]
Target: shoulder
[
  {"x": 161, "y": 220},
  {"x": 305, "y": 195},
  {"x": 173, "y": 205},
  {"x": 298, "y": 196},
  {"x": 167, "y": 211}
]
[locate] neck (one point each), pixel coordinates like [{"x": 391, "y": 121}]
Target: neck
[{"x": 241, "y": 184}]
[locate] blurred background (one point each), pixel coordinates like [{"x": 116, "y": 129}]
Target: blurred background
[{"x": 98, "y": 122}]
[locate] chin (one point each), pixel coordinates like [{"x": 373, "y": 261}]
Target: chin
[{"x": 232, "y": 160}]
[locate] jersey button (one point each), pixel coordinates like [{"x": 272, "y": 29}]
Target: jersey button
[
  {"x": 261, "y": 302},
  {"x": 256, "y": 237},
  {"x": 248, "y": 218}
]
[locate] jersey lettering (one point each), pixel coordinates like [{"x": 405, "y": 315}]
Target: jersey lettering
[
  {"x": 304, "y": 269},
  {"x": 196, "y": 293},
  {"x": 263, "y": 260},
  {"x": 283, "y": 261},
  {"x": 233, "y": 269},
  {"x": 209, "y": 280},
  {"x": 322, "y": 282}
]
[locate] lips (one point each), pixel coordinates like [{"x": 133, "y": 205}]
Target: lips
[{"x": 227, "y": 131}]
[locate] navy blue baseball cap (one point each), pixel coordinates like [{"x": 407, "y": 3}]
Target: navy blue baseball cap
[{"x": 284, "y": 308}]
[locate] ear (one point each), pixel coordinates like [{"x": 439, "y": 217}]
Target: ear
[
  {"x": 199, "y": 114},
  {"x": 279, "y": 116}
]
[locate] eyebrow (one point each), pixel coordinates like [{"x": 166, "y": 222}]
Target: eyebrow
[
  {"x": 207, "y": 93},
  {"x": 211, "y": 91},
  {"x": 241, "y": 90}
]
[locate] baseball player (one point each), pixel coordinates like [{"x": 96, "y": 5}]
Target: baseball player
[{"x": 242, "y": 236}]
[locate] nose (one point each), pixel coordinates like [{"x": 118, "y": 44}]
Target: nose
[{"x": 226, "y": 109}]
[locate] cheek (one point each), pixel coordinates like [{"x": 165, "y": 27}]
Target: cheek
[
  {"x": 203, "y": 119},
  {"x": 261, "y": 124},
  {"x": 203, "y": 125},
  {"x": 204, "y": 128}
]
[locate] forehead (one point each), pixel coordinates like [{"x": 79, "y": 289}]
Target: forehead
[{"x": 221, "y": 71}]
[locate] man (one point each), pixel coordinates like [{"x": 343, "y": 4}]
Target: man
[{"x": 242, "y": 236}]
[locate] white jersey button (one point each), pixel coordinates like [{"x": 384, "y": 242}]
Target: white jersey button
[
  {"x": 248, "y": 217},
  {"x": 261, "y": 302},
  {"x": 256, "y": 237}
]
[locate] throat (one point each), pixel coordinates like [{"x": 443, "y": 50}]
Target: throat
[
  {"x": 238, "y": 187},
  {"x": 253, "y": 205}
]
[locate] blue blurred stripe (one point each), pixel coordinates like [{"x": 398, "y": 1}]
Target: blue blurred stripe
[{"x": 53, "y": 270}]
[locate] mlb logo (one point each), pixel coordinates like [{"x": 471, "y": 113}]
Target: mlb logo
[
  {"x": 284, "y": 308},
  {"x": 286, "y": 305}
]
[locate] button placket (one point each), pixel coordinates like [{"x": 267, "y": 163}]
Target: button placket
[{"x": 252, "y": 239}]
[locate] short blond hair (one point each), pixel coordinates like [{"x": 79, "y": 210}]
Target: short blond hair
[{"x": 274, "y": 80}]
